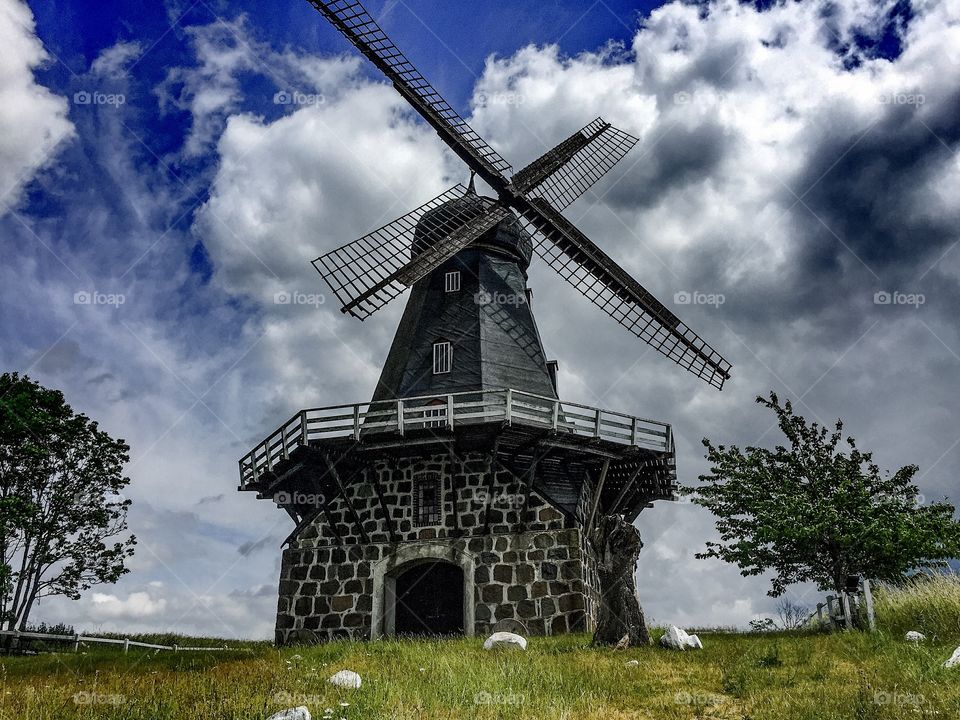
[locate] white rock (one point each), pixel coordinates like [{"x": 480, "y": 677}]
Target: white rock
[
  {"x": 505, "y": 639},
  {"x": 633, "y": 663},
  {"x": 915, "y": 637},
  {"x": 954, "y": 659},
  {"x": 677, "y": 639},
  {"x": 345, "y": 679},
  {"x": 297, "y": 713}
]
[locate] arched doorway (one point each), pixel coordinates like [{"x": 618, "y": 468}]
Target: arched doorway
[
  {"x": 428, "y": 599},
  {"x": 433, "y": 576}
]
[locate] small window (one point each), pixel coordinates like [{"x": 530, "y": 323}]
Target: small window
[
  {"x": 452, "y": 281},
  {"x": 442, "y": 357},
  {"x": 426, "y": 500}
]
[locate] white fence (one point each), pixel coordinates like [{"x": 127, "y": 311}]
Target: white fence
[{"x": 127, "y": 643}]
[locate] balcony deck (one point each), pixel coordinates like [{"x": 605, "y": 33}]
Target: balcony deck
[{"x": 446, "y": 413}]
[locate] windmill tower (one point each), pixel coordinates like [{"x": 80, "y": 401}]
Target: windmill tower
[{"x": 464, "y": 496}]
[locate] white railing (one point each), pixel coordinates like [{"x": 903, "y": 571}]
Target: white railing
[
  {"x": 442, "y": 414},
  {"x": 127, "y": 643}
]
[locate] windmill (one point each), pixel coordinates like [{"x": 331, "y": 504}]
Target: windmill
[
  {"x": 466, "y": 496},
  {"x": 368, "y": 273}
]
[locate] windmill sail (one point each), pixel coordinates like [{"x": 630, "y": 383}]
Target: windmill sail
[
  {"x": 359, "y": 27},
  {"x": 580, "y": 262},
  {"x": 567, "y": 171},
  {"x": 355, "y": 268}
]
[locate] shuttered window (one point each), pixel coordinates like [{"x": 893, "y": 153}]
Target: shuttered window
[
  {"x": 451, "y": 281},
  {"x": 442, "y": 357}
]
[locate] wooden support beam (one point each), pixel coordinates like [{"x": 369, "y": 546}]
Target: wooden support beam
[
  {"x": 453, "y": 491},
  {"x": 627, "y": 486},
  {"x": 346, "y": 499},
  {"x": 383, "y": 505},
  {"x": 527, "y": 487},
  {"x": 596, "y": 495},
  {"x": 490, "y": 482},
  {"x": 301, "y": 526}
]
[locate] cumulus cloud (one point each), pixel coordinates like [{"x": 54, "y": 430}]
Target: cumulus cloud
[
  {"x": 33, "y": 121},
  {"x": 105, "y": 606}
]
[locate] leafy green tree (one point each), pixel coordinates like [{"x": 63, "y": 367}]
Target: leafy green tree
[
  {"x": 818, "y": 511},
  {"x": 61, "y": 511}
]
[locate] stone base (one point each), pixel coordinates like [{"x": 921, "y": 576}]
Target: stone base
[{"x": 545, "y": 580}]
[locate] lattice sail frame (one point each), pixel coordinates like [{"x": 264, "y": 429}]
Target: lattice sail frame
[
  {"x": 359, "y": 27},
  {"x": 369, "y": 263},
  {"x": 566, "y": 172},
  {"x": 588, "y": 269}
]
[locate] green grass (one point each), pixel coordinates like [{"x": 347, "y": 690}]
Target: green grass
[
  {"x": 929, "y": 603},
  {"x": 780, "y": 676},
  {"x": 739, "y": 676}
]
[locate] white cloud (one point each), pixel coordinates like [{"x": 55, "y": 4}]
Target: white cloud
[
  {"x": 105, "y": 606},
  {"x": 33, "y": 121}
]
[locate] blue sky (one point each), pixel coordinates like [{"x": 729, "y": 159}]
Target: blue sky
[{"x": 799, "y": 160}]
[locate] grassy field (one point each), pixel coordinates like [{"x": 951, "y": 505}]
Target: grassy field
[{"x": 787, "y": 676}]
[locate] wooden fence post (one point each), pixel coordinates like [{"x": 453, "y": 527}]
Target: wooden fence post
[
  {"x": 126, "y": 645},
  {"x": 868, "y": 601}
]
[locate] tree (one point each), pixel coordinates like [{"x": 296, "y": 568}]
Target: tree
[
  {"x": 620, "y": 618},
  {"x": 817, "y": 512},
  {"x": 61, "y": 511}
]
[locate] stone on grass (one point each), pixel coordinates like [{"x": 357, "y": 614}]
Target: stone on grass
[
  {"x": 954, "y": 659},
  {"x": 345, "y": 679},
  {"x": 505, "y": 639},
  {"x": 677, "y": 639},
  {"x": 915, "y": 637},
  {"x": 297, "y": 713}
]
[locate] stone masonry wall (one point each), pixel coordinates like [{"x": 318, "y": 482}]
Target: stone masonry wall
[{"x": 532, "y": 564}]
